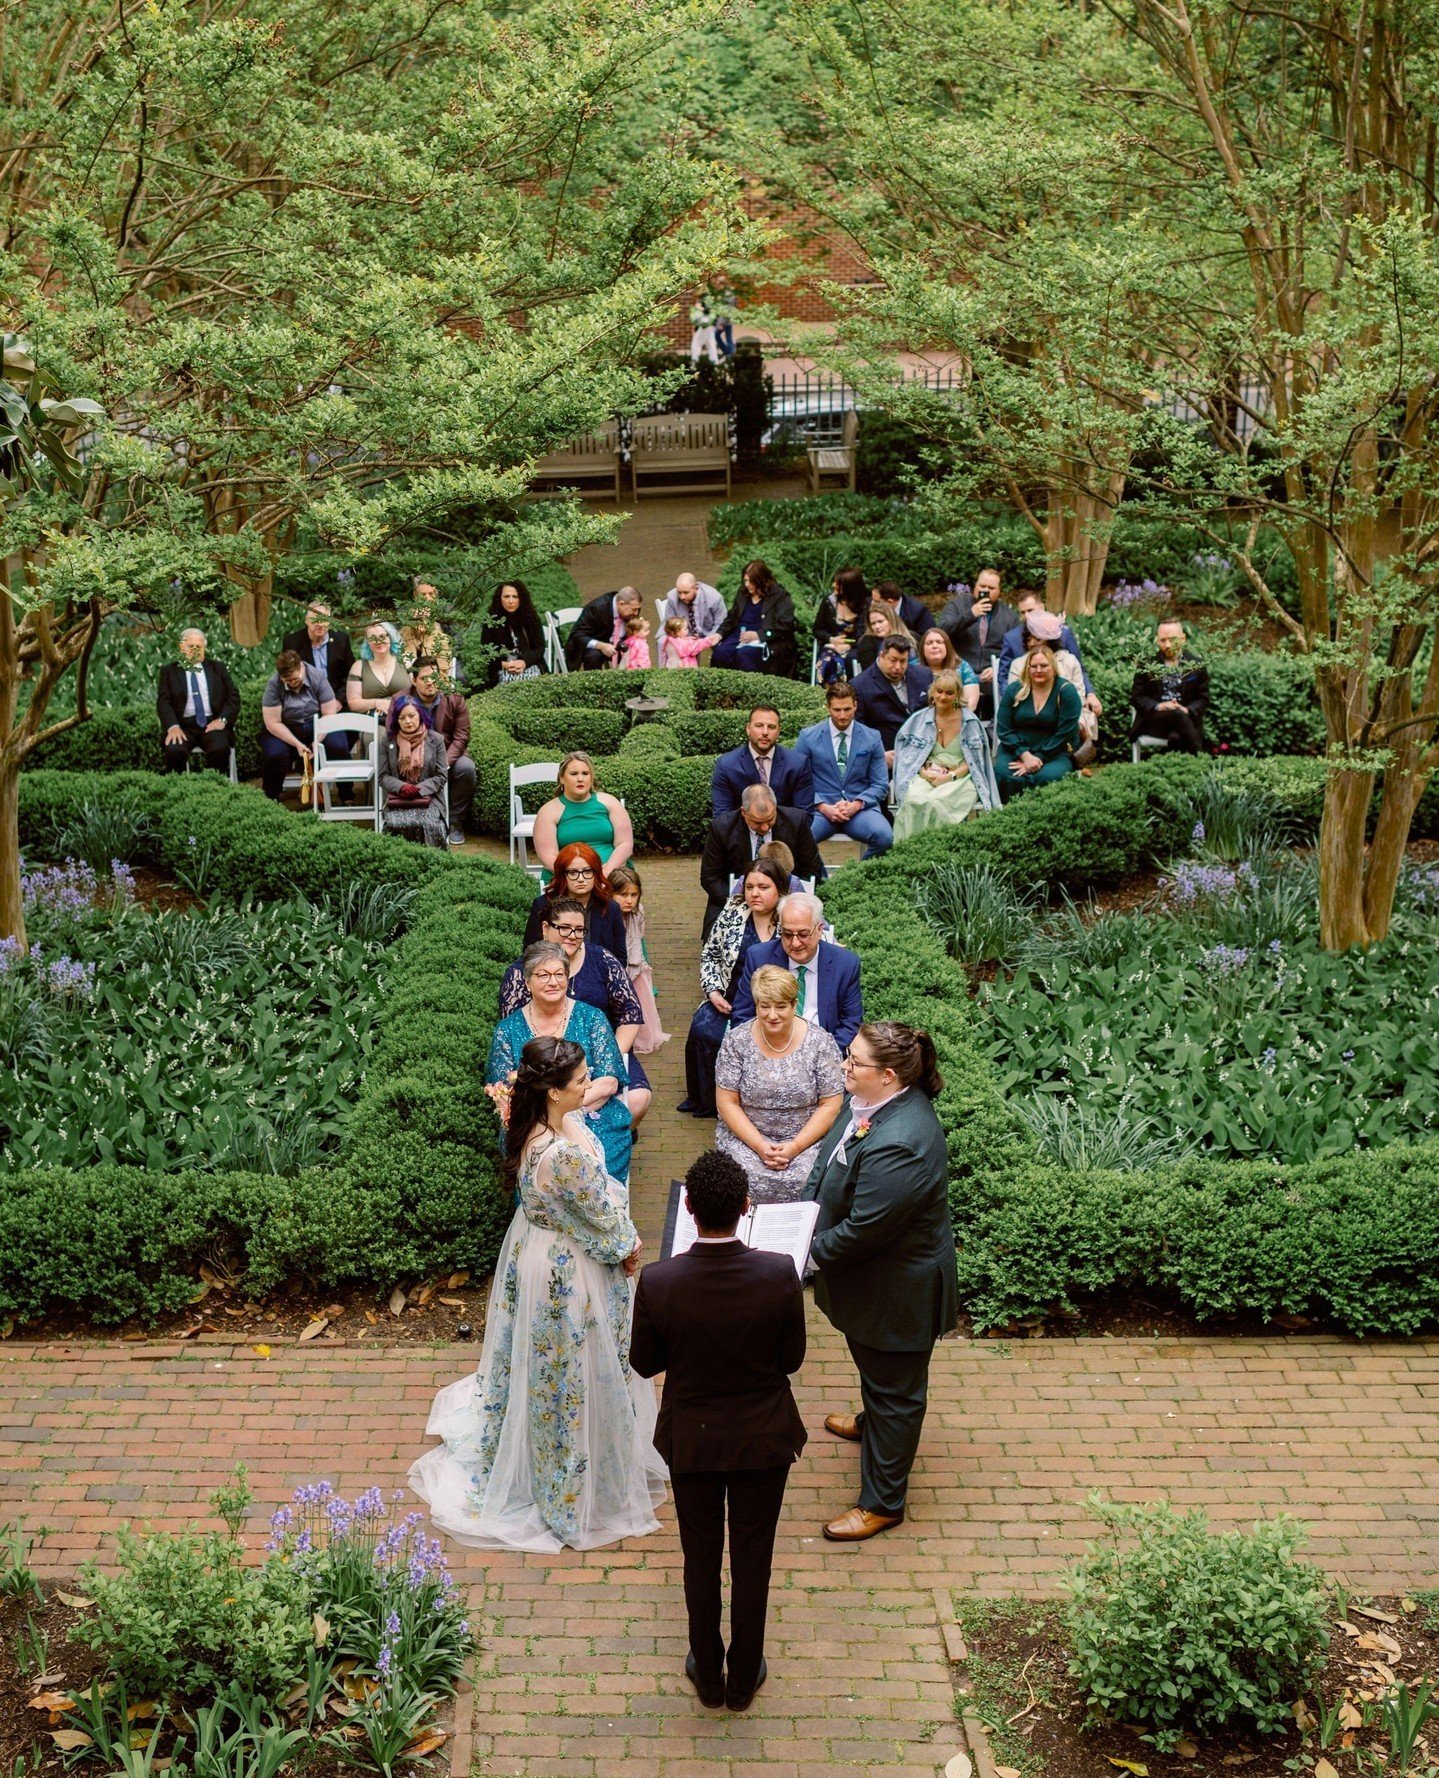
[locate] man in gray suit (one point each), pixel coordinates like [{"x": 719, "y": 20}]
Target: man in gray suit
[{"x": 884, "y": 1252}]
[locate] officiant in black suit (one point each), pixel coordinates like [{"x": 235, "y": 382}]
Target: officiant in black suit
[
  {"x": 884, "y": 1252},
  {"x": 726, "y": 1325}
]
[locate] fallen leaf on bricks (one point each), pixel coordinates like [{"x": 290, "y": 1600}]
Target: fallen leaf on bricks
[{"x": 264, "y": 1351}]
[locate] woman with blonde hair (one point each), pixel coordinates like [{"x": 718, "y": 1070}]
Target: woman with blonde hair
[
  {"x": 880, "y": 623},
  {"x": 942, "y": 769},
  {"x": 1036, "y": 725}
]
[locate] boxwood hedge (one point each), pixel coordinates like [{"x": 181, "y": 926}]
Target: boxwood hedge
[
  {"x": 1355, "y": 1240},
  {"x": 415, "y": 1186}
]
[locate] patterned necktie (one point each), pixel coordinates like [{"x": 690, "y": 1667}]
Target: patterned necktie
[
  {"x": 197, "y": 691},
  {"x": 691, "y": 627},
  {"x": 841, "y": 756},
  {"x": 803, "y": 973},
  {"x": 983, "y": 630},
  {"x": 763, "y": 765}
]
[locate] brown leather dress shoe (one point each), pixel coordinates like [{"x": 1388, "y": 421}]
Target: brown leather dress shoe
[
  {"x": 842, "y": 1426},
  {"x": 857, "y": 1524}
]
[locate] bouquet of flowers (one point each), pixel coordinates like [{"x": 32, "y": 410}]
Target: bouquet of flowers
[{"x": 499, "y": 1092}]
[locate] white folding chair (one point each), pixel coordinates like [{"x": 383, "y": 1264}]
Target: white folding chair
[
  {"x": 814, "y": 663},
  {"x": 659, "y": 621},
  {"x": 555, "y": 661},
  {"x": 996, "y": 692},
  {"x": 522, "y": 825},
  {"x": 199, "y": 753},
  {"x": 1140, "y": 742},
  {"x": 361, "y": 768}
]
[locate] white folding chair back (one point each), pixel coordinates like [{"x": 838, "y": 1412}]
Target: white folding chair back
[
  {"x": 1140, "y": 742},
  {"x": 814, "y": 663},
  {"x": 659, "y": 626},
  {"x": 361, "y": 771},
  {"x": 555, "y": 661},
  {"x": 996, "y": 692},
  {"x": 522, "y": 825}
]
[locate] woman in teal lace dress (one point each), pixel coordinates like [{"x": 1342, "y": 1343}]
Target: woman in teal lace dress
[{"x": 549, "y": 1445}]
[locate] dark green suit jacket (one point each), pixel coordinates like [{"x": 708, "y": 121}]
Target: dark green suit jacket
[{"x": 883, "y": 1242}]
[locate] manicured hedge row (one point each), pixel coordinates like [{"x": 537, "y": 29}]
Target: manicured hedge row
[
  {"x": 415, "y": 1187},
  {"x": 1356, "y": 1240}
]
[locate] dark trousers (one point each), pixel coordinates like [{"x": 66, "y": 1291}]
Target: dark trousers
[
  {"x": 278, "y": 757},
  {"x": 214, "y": 743},
  {"x": 594, "y": 659},
  {"x": 894, "y": 1387},
  {"x": 1183, "y": 732},
  {"x": 462, "y": 790},
  {"x": 702, "y": 1047},
  {"x": 754, "y": 1497},
  {"x": 748, "y": 657}
]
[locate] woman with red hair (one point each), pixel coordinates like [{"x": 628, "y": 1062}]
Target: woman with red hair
[{"x": 580, "y": 877}]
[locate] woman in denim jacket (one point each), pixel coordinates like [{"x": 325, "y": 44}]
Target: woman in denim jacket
[{"x": 946, "y": 793}]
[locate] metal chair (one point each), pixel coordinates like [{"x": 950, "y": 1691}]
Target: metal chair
[
  {"x": 522, "y": 825},
  {"x": 555, "y": 661},
  {"x": 1140, "y": 742},
  {"x": 330, "y": 774},
  {"x": 198, "y": 752}
]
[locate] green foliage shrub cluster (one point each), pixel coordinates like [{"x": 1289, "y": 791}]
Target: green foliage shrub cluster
[{"x": 1175, "y": 1626}]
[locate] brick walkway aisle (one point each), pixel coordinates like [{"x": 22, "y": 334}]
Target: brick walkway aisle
[{"x": 581, "y": 1673}]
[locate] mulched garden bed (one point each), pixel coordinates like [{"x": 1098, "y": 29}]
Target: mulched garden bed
[{"x": 1016, "y": 1681}]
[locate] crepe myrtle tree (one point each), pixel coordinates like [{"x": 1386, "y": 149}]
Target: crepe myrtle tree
[
  {"x": 1237, "y": 207},
  {"x": 336, "y": 271}
]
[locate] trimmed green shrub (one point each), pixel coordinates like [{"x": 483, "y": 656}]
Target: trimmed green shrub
[
  {"x": 596, "y": 731},
  {"x": 710, "y": 731}
]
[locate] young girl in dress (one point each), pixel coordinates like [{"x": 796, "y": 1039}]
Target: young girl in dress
[
  {"x": 681, "y": 650},
  {"x": 637, "y": 644},
  {"x": 625, "y": 887}
]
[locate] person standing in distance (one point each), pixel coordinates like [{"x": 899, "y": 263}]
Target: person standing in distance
[
  {"x": 883, "y": 1249},
  {"x": 725, "y": 1323}
]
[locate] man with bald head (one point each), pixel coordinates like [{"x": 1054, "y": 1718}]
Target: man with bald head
[
  {"x": 198, "y": 704},
  {"x": 699, "y": 606},
  {"x": 735, "y": 839},
  {"x": 599, "y": 631}
]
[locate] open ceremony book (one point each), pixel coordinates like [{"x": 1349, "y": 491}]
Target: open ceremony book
[{"x": 773, "y": 1228}]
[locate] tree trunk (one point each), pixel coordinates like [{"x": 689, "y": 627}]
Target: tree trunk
[
  {"x": 250, "y": 616},
  {"x": 12, "y": 908},
  {"x": 1400, "y": 798},
  {"x": 1342, "y": 921}
]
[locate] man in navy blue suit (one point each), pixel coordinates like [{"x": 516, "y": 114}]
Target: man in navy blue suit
[
  {"x": 761, "y": 761},
  {"x": 851, "y": 781},
  {"x": 891, "y": 691},
  {"x": 828, "y": 975}
]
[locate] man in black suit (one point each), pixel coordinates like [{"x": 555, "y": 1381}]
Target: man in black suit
[
  {"x": 977, "y": 623},
  {"x": 599, "y": 631},
  {"x": 884, "y": 1252},
  {"x": 1171, "y": 696},
  {"x": 726, "y": 1325},
  {"x": 734, "y": 841},
  {"x": 890, "y": 691},
  {"x": 197, "y": 704},
  {"x": 319, "y": 645}
]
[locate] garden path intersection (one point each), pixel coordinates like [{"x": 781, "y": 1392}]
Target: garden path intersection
[{"x": 580, "y": 1675}]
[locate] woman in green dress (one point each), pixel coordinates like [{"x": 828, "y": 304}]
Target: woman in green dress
[
  {"x": 582, "y": 815},
  {"x": 1037, "y": 725},
  {"x": 942, "y": 772}
]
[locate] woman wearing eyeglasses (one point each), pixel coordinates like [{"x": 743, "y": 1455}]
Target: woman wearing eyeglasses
[
  {"x": 537, "y": 1002},
  {"x": 579, "y": 877}
]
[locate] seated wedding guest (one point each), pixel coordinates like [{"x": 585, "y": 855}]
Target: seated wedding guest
[
  {"x": 379, "y": 675},
  {"x": 827, "y": 974},
  {"x": 761, "y": 760},
  {"x": 942, "y": 768},
  {"x": 699, "y": 606},
  {"x": 1044, "y": 626},
  {"x": 680, "y": 650},
  {"x": 197, "y": 705},
  {"x": 936, "y": 652},
  {"x": 913, "y": 614},
  {"x": 598, "y": 633},
  {"x": 627, "y": 891},
  {"x": 725, "y": 1323},
  {"x": 580, "y": 814},
  {"x": 512, "y": 638},
  {"x": 413, "y": 771},
  {"x": 1029, "y": 605},
  {"x": 745, "y": 920},
  {"x": 578, "y": 876},
  {"x": 889, "y": 692},
  {"x": 778, "y": 1086},
  {"x": 977, "y": 622},
  {"x": 424, "y": 633},
  {"x": 635, "y": 654},
  {"x": 758, "y": 632},
  {"x": 450, "y": 718},
  {"x": 580, "y": 1471},
  {"x": 550, "y": 1010},
  {"x": 293, "y": 698},
  {"x": 880, "y": 623},
  {"x": 1036, "y": 726},
  {"x": 1171, "y": 696},
  {"x": 836, "y": 627},
  {"x": 598, "y": 978},
  {"x": 319, "y": 644},
  {"x": 734, "y": 842},
  {"x": 849, "y": 774},
  {"x": 778, "y": 853}
]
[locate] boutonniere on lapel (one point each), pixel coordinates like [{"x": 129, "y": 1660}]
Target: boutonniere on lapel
[{"x": 861, "y": 1130}]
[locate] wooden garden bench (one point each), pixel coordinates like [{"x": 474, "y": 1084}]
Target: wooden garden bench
[{"x": 681, "y": 454}]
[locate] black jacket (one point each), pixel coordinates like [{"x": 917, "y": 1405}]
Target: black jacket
[
  {"x": 726, "y": 1326},
  {"x": 879, "y": 704},
  {"x": 220, "y": 688},
  {"x": 340, "y": 658},
  {"x": 960, "y": 622},
  {"x": 883, "y": 1244},
  {"x": 1148, "y": 691},
  {"x": 776, "y": 629},
  {"x": 596, "y": 623},
  {"x": 508, "y": 641},
  {"x": 728, "y": 854}
]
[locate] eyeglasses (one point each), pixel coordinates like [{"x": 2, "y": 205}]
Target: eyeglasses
[
  {"x": 567, "y": 931},
  {"x": 850, "y": 1060},
  {"x": 796, "y": 932},
  {"x": 578, "y": 870},
  {"x": 550, "y": 975}
]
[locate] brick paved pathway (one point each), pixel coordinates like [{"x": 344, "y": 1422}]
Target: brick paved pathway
[{"x": 580, "y": 1676}]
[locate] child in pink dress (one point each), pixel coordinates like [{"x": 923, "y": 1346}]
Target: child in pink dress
[
  {"x": 625, "y": 884},
  {"x": 680, "y": 650},
  {"x": 636, "y": 647}
]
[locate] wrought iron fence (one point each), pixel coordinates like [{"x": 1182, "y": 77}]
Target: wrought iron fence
[{"x": 813, "y": 403}]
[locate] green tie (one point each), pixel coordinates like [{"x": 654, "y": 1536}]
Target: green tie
[
  {"x": 803, "y": 973},
  {"x": 842, "y": 753}
]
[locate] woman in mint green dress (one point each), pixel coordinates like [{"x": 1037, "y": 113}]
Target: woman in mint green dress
[
  {"x": 582, "y": 815},
  {"x": 941, "y": 776}
]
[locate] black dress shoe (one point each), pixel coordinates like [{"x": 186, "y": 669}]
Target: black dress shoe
[
  {"x": 742, "y": 1700},
  {"x": 711, "y": 1696}
]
